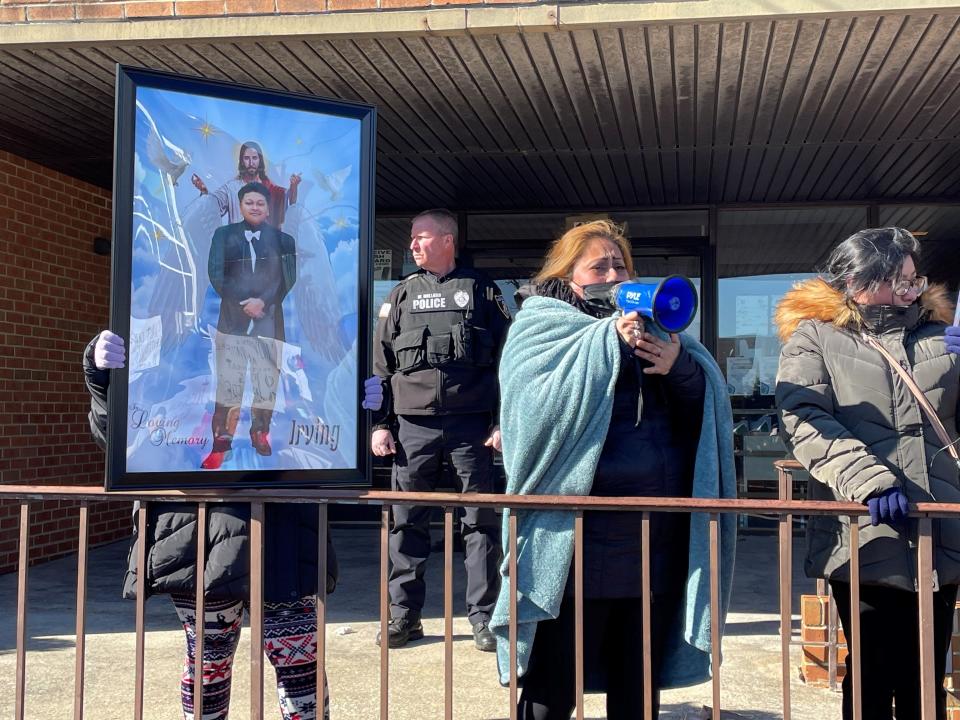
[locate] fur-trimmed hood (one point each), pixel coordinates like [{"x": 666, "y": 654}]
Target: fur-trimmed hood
[{"x": 814, "y": 299}]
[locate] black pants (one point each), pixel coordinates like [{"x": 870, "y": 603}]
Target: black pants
[
  {"x": 890, "y": 649},
  {"x": 612, "y": 636},
  {"x": 423, "y": 442}
]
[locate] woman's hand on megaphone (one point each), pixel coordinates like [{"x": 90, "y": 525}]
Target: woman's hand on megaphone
[
  {"x": 661, "y": 354},
  {"x": 630, "y": 328}
]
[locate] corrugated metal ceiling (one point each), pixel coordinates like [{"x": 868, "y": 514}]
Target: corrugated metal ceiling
[{"x": 740, "y": 112}]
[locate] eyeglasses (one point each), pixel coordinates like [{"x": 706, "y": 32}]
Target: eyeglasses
[{"x": 918, "y": 285}]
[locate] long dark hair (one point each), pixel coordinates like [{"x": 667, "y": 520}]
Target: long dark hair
[
  {"x": 262, "y": 169},
  {"x": 869, "y": 258}
]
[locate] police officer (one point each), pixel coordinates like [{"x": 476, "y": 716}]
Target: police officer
[{"x": 438, "y": 341}]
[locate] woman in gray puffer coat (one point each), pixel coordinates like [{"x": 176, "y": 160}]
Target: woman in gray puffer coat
[{"x": 852, "y": 422}]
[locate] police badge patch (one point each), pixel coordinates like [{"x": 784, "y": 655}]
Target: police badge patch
[
  {"x": 461, "y": 298},
  {"x": 503, "y": 306}
]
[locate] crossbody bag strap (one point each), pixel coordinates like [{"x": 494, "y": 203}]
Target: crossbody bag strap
[{"x": 918, "y": 394}]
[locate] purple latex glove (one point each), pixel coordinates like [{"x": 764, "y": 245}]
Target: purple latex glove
[
  {"x": 951, "y": 337},
  {"x": 372, "y": 393},
  {"x": 889, "y": 507},
  {"x": 109, "y": 351}
]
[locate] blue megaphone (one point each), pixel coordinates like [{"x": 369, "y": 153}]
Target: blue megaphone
[{"x": 670, "y": 303}]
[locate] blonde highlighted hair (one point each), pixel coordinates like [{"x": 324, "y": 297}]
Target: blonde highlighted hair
[{"x": 566, "y": 250}]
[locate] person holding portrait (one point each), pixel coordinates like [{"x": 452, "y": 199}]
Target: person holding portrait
[{"x": 290, "y": 555}]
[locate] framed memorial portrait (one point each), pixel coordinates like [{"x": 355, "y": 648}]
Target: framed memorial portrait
[{"x": 242, "y": 258}]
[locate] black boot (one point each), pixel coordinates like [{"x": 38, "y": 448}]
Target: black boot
[{"x": 401, "y": 631}]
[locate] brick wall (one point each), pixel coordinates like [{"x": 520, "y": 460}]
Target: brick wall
[
  {"x": 53, "y": 298},
  {"x": 34, "y": 11}
]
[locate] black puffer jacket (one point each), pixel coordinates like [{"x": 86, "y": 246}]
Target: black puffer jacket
[
  {"x": 649, "y": 451},
  {"x": 291, "y": 535}
]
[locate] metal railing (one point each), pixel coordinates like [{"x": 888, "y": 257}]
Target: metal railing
[{"x": 784, "y": 509}]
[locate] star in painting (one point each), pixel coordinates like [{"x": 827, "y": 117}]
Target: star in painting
[
  {"x": 206, "y": 130},
  {"x": 341, "y": 222}
]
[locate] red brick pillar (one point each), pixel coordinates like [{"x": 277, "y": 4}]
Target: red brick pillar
[{"x": 815, "y": 636}]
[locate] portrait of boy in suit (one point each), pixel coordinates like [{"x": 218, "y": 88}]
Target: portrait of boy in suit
[{"x": 252, "y": 266}]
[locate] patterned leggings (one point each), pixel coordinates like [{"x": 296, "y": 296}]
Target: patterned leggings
[{"x": 289, "y": 641}]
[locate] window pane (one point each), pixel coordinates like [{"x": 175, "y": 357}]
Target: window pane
[
  {"x": 664, "y": 224},
  {"x": 391, "y": 250},
  {"x": 937, "y": 227},
  {"x": 760, "y": 255}
]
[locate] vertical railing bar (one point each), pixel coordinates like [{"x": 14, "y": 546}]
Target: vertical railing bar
[
  {"x": 786, "y": 588},
  {"x": 928, "y": 691},
  {"x": 578, "y": 609},
  {"x": 322, "y": 572},
  {"x": 715, "y": 610},
  {"x": 448, "y": 613},
  {"x": 23, "y": 562},
  {"x": 83, "y": 540},
  {"x": 647, "y": 624},
  {"x": 853, "y": 642},
  {"x": 384, "y": 613},
  {"x": 200, "y": 613},
  {"x": 833, "y": 621},
  {"x": 257, "y": 514},
  {"x": 512, "y": 629},
  {"x": 141, "y": 610}
]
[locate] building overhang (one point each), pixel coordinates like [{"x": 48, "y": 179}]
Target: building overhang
[{"x": 585, "y": 105}]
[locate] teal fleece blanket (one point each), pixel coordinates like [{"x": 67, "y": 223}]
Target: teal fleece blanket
[{"x": 565, "y": 363}]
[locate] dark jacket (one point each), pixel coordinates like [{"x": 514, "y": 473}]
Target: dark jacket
[
  {"x": 850, "y": 420},
  {"x": 437, "y": 344},
  {"x": 229, "y": 266},
  {"x": 649, "y": 451},
  {"x": 290, "y": 543}
]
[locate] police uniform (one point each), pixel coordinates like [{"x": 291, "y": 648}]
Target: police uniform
[{"x": 437, "y": 345}]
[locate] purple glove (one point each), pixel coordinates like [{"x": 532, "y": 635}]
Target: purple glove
[
  {"x": 952, "y": 338},
  {"x": 109, "y": 351},
  {"x": 889, "y": 507},
  {"x": 372, "y": 393}
]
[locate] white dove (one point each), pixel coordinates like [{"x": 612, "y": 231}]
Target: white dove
[
  {"x": 333, "y": 183},
  {"x": 158, "y": 156}
]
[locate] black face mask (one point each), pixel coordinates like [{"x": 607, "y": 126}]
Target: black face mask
[{"x": 598, "y": 297}]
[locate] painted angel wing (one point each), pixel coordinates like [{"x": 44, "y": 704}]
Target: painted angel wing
[{"x": 315, "y": 291}]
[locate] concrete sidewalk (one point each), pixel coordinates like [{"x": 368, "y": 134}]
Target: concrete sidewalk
[{"x": 750, "y": 673}]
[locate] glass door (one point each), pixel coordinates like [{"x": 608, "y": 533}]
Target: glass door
[{"x": 652, "y": 262}]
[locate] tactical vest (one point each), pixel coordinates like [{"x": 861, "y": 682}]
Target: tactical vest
[{"x": 437, "y": 329}]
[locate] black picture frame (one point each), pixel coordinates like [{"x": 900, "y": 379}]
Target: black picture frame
[{"x": 305, "y": 352}]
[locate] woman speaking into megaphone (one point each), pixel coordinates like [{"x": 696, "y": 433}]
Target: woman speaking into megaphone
[{"x": 593, "y": 402}]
